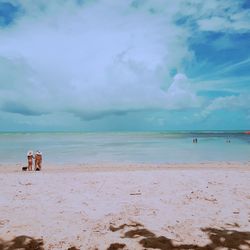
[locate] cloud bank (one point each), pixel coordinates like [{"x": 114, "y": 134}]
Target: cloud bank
[
  {"x": 91, "y": 58},
  {"x": 96, "y": 59}
]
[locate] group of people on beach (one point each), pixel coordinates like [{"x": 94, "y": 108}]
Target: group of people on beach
[{"x": 38, "y": 160}]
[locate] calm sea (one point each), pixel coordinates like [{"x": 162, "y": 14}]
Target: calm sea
[{"x": 127, "y": 147}]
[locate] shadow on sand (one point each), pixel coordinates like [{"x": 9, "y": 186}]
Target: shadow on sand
[
  {"x": 22, "y": 242},
  {"x": 219, "y": 239}
]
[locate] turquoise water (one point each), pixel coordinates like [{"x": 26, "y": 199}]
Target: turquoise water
[{"x": 158, "y": 147}]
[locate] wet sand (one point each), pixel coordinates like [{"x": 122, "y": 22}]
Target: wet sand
[{"x": 178, "y": 206}]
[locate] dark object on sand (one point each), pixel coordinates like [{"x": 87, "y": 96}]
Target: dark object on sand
[
  {"x": 24, "y": 168},
  {"x": 116, "y": 246},
  {"x": 22, "y": 242},
  {"x": 37, "y": 169}
]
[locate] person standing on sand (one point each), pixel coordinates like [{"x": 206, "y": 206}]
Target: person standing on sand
[
  {"x": 38, "y": 160},
  {"x": 30, "y": 158}
]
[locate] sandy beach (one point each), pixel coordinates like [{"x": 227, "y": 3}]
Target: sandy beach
[{"x": 201, "y": 206}]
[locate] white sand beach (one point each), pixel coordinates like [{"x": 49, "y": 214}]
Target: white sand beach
[{"x": 201, "y": 206}]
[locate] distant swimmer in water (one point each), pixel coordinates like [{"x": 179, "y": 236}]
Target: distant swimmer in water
[
  {"x": 195, "y": 140},
  {"x": 38, "y": 160},
  {"x": 30, "y": 158}
]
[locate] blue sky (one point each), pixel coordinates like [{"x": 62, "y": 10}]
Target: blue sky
[{"x": 101, "y": 65}]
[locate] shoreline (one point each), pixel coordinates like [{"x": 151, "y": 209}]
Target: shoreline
[{"x": 120, "y": 167}]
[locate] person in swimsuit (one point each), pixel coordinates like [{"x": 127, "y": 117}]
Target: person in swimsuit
[
  {"x": 38, "y": 161},
  {"x": 30, "y": 158}
]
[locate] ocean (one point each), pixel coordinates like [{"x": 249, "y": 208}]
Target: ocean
[{"x": 127, "y": 147}]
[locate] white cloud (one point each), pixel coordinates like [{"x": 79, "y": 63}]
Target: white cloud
[
  {"x": 102, "y": 56},
  {"x": 229, "y": 102},
  {"x": 237, "y": 22},
  {"x": 224, "y": 16},
  {"x": 180, "y": 94}
]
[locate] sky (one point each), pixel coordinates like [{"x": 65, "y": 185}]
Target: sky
[{"x": 124, "y": 65}]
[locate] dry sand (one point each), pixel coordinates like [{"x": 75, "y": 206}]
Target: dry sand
[{"x": 202, "y": 206}]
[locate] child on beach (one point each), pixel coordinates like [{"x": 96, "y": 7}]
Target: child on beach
[
  {"x": 38, "y": 161},
  {"x": 30, "y": 160}
]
